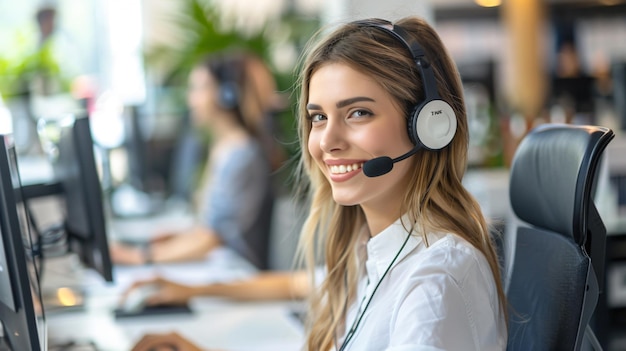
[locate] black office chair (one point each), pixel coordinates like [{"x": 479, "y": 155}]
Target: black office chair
[{"x": 553, "y": 282}]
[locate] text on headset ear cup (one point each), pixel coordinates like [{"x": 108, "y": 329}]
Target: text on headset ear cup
[{"x": 433, "y": 124}]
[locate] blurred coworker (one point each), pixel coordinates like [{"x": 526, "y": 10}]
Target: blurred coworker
[
  {"x": 58, "y": 57},
  {"x": 236, "y": 198},
  {"x": 265, "y": 107}
]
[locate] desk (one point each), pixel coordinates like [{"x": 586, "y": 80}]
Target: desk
[
  {"x": 215, "y": 323},
  {"x": 35, "y": 169},
  {"x": 141, "y": 229},
  {"x": 490, "y": 187}
]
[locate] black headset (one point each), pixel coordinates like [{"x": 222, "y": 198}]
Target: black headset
[
  {"x": 228, "y": 73},
  {"x": 432, "y": 123}
]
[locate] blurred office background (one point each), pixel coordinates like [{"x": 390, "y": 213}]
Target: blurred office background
[
  {"x": 124, "y": 62},
  {"x": 523, "y": 63}
]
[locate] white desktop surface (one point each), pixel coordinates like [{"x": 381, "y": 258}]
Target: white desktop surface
[
  {"x": 490, "y": 187},
  {"x": 144, "y": 228},
  {"x": 215, "y": 323},
  {"x": 35, "y": 169}
]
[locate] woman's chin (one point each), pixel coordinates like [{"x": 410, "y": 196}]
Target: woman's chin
[{"x": 345, "y": 200}]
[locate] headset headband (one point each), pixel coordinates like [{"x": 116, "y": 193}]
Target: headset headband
[{"x": 418, "y": 54}]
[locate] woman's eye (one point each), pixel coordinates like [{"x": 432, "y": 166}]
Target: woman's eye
[
  {"x": 317, "y": 117},
  {"x": 360, "y": 113}
]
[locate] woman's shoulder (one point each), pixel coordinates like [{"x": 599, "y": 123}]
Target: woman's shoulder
[
  {"x": 243, "y": 152},
  {"x": 244, "y": 144},
  {"x": 451, "y": 254}
]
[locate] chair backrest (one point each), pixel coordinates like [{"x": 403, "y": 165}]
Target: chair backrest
[{"x": 553, "y": 289}]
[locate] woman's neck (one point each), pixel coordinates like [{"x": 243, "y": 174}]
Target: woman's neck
[
  {"x": 226, "y": 141},
  {"x": 378, "y": 220},
  {"x": 225, "y": 130}
]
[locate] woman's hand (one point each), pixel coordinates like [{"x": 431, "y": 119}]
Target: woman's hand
[
  {"x": 124, "y": 254},
  {"x": 136, "y": 254},
  {"x": 168, "y": 292},
  {"x": 163, "y": 237},
  {"x": 165, "y": 342}
]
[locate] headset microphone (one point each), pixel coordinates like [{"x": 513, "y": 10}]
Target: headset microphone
[{"x": 384, "y": 164}]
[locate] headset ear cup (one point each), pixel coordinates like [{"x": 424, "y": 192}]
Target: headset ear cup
[
  {"x": 412, "y": 123},
  {"x": 228, "y": 95},
  {"x": 434, "y": 124}
]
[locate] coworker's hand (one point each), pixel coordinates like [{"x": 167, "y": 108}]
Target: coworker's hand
[
  {"x": 168, "y": 293},
  {"x": 163, "y": 237},
  {"x": 124, "y": 254},
  {"x": 165, "y": 342}
]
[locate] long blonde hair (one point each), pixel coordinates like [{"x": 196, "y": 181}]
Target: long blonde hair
[{"x": 435, "y": 198}]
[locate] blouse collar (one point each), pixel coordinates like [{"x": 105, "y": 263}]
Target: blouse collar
[{"x": 384, "y": 247}]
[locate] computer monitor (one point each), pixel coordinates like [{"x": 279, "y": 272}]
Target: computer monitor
[
  {"x": 17, "y": 313},
  {"x": 618, "y": 77},
  {"x": 75, "y": 169},
  {"x": 578, "y": 90}
]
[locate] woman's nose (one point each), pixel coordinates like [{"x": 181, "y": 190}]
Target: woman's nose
[{"x": 333, "y": 136}]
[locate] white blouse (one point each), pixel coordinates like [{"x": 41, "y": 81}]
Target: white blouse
[{"x": 440, "y": 297}]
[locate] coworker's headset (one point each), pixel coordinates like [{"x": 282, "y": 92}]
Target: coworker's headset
[
  {"x": 228, "y": 74},
  {"x": 432, "y": 123}
]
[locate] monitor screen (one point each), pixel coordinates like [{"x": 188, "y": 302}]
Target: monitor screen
[
  {"x": 17, "y": 312},
  {"x": 578, "y": 90},
  {"x": 75, "y": 168}
]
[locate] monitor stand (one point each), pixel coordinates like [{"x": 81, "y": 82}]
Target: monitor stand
[{"x": 4, "y": 344}]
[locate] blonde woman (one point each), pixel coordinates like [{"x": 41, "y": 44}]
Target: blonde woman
[{"x": 408, "y": 258}]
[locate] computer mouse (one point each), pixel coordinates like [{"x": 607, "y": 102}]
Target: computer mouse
[{"x": 136, "y": 299}]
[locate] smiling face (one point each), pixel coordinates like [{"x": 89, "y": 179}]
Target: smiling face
[{"x": 353, "y": 119}]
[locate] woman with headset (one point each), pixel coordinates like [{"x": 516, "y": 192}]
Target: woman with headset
[
  {"x": 235, "y": 204},
  {"x": 408, "y": 257}
]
